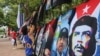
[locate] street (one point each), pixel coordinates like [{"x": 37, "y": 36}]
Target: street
[{"x": 6, "y": 48}]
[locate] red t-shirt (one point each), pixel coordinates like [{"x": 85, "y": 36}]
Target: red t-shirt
[{"x": 14, "y": 35}]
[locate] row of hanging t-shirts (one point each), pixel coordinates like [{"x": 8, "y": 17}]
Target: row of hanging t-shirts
[{"x": 75, "y": 33}]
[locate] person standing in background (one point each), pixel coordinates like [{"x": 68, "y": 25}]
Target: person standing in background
[{"x": 14, "y": 39}]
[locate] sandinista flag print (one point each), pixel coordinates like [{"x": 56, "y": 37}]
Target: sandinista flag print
[
  {"x": 48, "y": 37},
  {"x": 39, "y": 41},
  {"x": 84, "y": 35}
]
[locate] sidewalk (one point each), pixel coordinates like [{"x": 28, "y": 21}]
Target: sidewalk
[{"x": 6, "y": 48}]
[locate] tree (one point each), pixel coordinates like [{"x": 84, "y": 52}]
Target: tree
[
  {"x": 1, "y": 17},
  {"x": 10, "y": 18},
  {"x": 28, "y": 7}
]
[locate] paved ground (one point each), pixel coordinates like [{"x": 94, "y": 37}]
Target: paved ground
[{"x": 6, "y": 48}]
